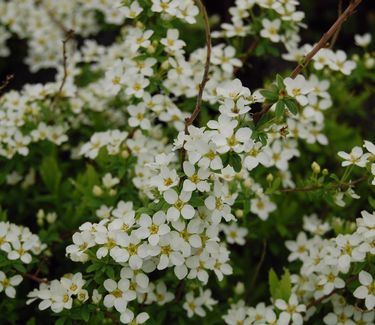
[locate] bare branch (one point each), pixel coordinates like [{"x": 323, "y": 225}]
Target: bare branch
[
  {"x": 6, "y": 82},
  {"x": 202, "y": 85},
  {"x": 35, "y": 278},
  {"x": 59, "y": 93},
  {"x": 320, "y": 186},
  {"x": 336, "y": 35},
  {"x": 247, "y": 53}
]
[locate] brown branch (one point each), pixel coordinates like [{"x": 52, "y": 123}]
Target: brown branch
[
  {"x": 189, "y": 120},
  {"x": 322, "y": 43},
  {"x": 202, "y": 85},
  {"x": 54, "y": 19},
  {"x": 6, "y": 82},
  {"x": 35, "y": 278},
  {"x": 179, "y": 290},
  {"x": 69, "y": 36},
  {"x": 301, "y": 189},
  {"x": 320, "y": 186},
  {"x": 336, "y": 35},
  {"x": 246, "y": 55},
  {"x": 257, "y": 270}
]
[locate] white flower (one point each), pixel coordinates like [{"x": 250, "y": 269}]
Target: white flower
[
  {"x": 366, "y": 290},
  {"x": 165, "y": 179},
  {"x": 339, "y": 62},
  {"x": 119, "y": 294},
  {"x": 196, "y": 180},
  {"x": 291, "y": 311},
  {"x": 152, "y": 228},
  {"x": 179, "y": 205},
  {"x": 193, "y": 305},
  {"x": 298, "y": 248},
  {"x": 298, "y": 88},
  {"x": 362, "y": 40},
  {"x": 8, "y": 284},
  {"x": 171, "y": 42},
  {"x": 355, "y": 157},
  {"x": 271, "y": 29},
  {"x": 262, "y": 206},
  {"x": 330, "y": 280},
  {"x": 138, "y": 117},
  {"x": 340, "y": 316},
  {"x": 73, "y": 284},
  {"x": 127, "y": 317},
  {"x": 235, "y": 234}
]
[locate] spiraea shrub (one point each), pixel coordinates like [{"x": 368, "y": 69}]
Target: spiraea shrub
[{"x": 146, "y": 184}]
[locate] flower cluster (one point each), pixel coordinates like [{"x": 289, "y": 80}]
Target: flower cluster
[{"x": 159, "y": 175}]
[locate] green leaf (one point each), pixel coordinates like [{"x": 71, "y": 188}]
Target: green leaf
[
  {"x": 92, "y": 268},
  {"x": 51, "y": 174},
  {"x": 19, "y": 267},
  {"x": 371, "y": 200},
  {"x": 110, "y": 272},
  {"x": 196, "y": 201},
  {"x": 270, "y": 95},
  {"x": 85, "y": 313},
  {"x": 280, "y": 81},
  {"x": 273, "y": 282},
  {"x": 61, "y": 321},
  {"x": 285, "y": 285},
  {"x": 236, "y": 162},
  {"x": 292, "y": 105},
  {"x": 280, "y": 107}
]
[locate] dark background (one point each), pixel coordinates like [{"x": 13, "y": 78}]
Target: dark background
[{"x": 320, "y": 14}]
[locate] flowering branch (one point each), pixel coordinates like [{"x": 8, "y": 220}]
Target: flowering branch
[
  {"x": 320, "y": 186},
  {"x": 322, "y": 43},
  {"x": 202, "y": 85}
]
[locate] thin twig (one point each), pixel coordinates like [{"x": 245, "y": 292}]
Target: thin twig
[
  {"x": 54, "y": 19},
  {"x": 246, "y": 55},
  {"x": 69, "y": 36},
  {"x": 202, "y": 85},
  {"x": 189, "y": 120},
  {"x": 336, "y": 35},
  {"x": 179, "y": 290},
  {"x": 320, "y": 186},
  {"x": 6, "y": 82},
  {"x": 35, "y": 278},
  {"x": 257, "y": 269},
  {"x": 322, "y": 43}
]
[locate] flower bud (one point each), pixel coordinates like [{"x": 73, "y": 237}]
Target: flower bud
[
  {"x": 239, "y": 213},
  {"x": 125, "y": 153},
  {"x": 247, "y": 183},
  {"x": 325, "y": 171},
  {"x": 151, "y": 49},
  {"x": 269, "y": 178},
  {"x": 315, "y": 167},
  {"x": 165, "y": 65},
  {"x": 51, "y": 217},
  {"x": 239, "y": 289},
  {"x": 97, "y": 191}
]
